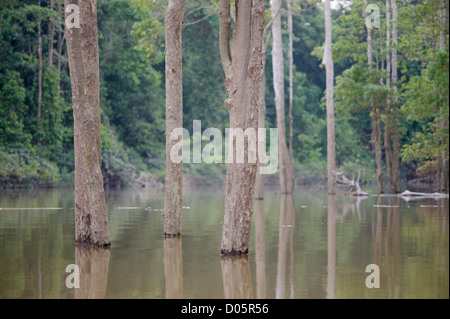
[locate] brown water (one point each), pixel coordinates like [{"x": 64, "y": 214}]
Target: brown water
[{"x": 302, "y": 246}]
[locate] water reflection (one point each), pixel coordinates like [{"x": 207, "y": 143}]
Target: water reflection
[
  {"x": 236, "y": 278},
  {"x": 173, "y": 268},
  {"x": 93, "y": 264},
  {"x": 392, "y": 247},
  {"x": 331, "y": 246},
  {"x": 286, "y": 232},
  {"x": 260, "y": 247}
]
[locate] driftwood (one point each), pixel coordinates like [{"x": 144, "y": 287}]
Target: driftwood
[{"x": 355, "y": 189}]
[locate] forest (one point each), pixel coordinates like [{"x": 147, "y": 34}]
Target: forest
[{"x": 380, "y": 119}]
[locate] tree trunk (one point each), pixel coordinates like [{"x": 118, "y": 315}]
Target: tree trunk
[
  {"x": 388, "y": 113},
  {"x": 395, "y": 134},
  {"x": 328, "y": 62},
  {"x": 291, "y": 177},
  {"x": 243, "y": 70},
  {"x": 376, "y": 132},
  {"x": 40, "y": 68},
  {"x": 91, "y": 224},
  {"x": 443, "y": 162},
  {"x": 259, "y": 182},
  {"x": 286, "y": 178},
  {"x": 174, "y": 116},
  {"x": 51, "y": 33}
]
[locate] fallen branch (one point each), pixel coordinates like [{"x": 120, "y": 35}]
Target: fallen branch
[{"x": 355, "y": 189}]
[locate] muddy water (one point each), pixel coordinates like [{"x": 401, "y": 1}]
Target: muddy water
[{"x": 302, "y": 246}]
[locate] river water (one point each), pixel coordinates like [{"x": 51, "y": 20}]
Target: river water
[{"x": 307, "y": 245}]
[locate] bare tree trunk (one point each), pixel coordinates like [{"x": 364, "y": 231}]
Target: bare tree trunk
[
  {"x": 259, "y": 182},
  {"x": 243, "y": 70},
  {"x": 40, "y": 68},
  {"x": 174, "y": 116},
  {"x": 376, "y": 132},
  {"x": 395, "y": 133},
  {"x": 91, "y": 224},
  {"x": 443, "y": 162},
  {"x": 51, "y": 33},
  {"x": 388, "y": 122},
  {"x": 286, "y": 181},
  {"x": 291, "y": 177},
  {"x": 328, "y": 62}
]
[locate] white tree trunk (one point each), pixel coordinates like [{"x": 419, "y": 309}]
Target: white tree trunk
[
  {"x": 328, "y": 62},
  {"x": 174, "y": 116},
  {"x": 243, "y": 68},
  {"x": 91, "y": 224},
  {"x": 286, "y": 180}
]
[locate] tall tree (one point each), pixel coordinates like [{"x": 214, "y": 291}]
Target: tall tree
[
  {"x": 91, "y": 224},
  {"x": 286, "y": 166},
  {"x": 174, "y": 116},
  {"x": 291, "y": 94},
  {"x": 328, "y": 62},
  {"x": 40, "y": 67},
  {"x": 395, "y": 133},
  {"x": 388, "y": 116},
  {"x": 242, "y": 64}
]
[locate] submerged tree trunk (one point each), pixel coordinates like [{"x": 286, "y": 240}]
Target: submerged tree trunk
[
  {"x": 174, "y": 116},
  {"x": 291, "y": 176},
  {"x": 395, "y": 133},
  {"x": 443, "y": 161},
  {"x": 388, "y": 113},
  {"x": 259, "y": 182},
  {"x": 39, "y": 112},
  {"x": 286, "y": 171},
  {"x": 91, "y": 224},
  {"x": 243, "y": 70},
  {"x": 328, "y": 62},
  {"x": 375, "y": 110},
  {"x": 173, "y": 268}
]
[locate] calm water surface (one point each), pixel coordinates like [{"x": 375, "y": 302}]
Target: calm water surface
[{"x": 304, "y": 246}]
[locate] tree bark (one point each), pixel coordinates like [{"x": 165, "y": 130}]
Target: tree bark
[
  {"x": 388, "y": 113},
  {"x": 243, "y": 70},
  {"x": 39, "y": 115},
  {"x": 259, "y": 182},
  {"x": 328, "y": 62},
  {"x": 174, "y": 116},
  {"x": 291, "y": 177},
  {"x": 395, "y": 133},
  {"x": 51, "y": 33},
  {"x": 376, "y": 131},
  {"x": 91, "y": 224},
  {"x": 443, "y": 161},
  {"x": 286, "y": 170}
]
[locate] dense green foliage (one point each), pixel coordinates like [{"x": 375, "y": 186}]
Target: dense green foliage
[{"x": 39, "y": 151}]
